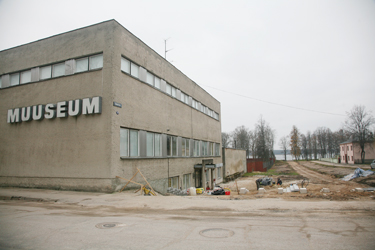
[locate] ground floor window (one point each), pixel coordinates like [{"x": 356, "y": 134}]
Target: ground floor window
[
  {"x": 218, "y": 172},
  {"x": 186, "y": 181},
  {"x": 153, "y": 144},
  {"x": 173, "y": 182},
  {"x": 129, "y": 143},
  {"x": 171, "y": 145}
]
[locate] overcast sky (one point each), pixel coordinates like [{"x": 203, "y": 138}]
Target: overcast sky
[{"x": 303, "y": 63}]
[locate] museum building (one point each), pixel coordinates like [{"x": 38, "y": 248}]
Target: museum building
[{"x": 80, "y": 108}]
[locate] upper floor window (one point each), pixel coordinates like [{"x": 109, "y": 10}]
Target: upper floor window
[
  {"x": 96, "y": 62},
  {"x": 134, "y": 69},
  {"x": 25, "y": 76},
  {"x": 58, "y": 70},
  {"x": 82, "y": 64},
  {"x": 45, "y": 72},
  {"x": 14, "y": 79}
]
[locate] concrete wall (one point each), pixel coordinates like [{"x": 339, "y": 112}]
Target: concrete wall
[{"x": 234, "y": 161}]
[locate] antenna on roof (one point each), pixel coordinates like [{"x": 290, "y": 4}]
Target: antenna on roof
[{"x": 165, "y": 48}]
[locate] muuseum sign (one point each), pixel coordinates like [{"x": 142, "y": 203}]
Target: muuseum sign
[{"x": 84, "y": 106}]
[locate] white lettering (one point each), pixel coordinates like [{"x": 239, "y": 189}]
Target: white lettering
[
  {"x": 38, "y": 112},
  {"x": 13, "y": 115},
  {"x": 26, "y": 114},
  {"x": 93, "y": 105},
  {"x": 61, "y": 109},
  {"x": 50, "y": 111},
  {"x": 75, "y": 107}
]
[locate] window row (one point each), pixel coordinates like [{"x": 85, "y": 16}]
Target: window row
[
  {"x": 139, "y": 143},
  {"x": 142, "y": 74},
  {"x": 68, "y": 67}
]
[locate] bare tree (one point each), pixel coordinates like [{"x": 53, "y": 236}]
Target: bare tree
[
  {"x": 358, "y": 125},
  {"x": 314, "y": 143},
  {"x": 309, "y": 144},
  {"x": 241, "y": 138},
  {"x": 225, "y": 139},
  {"x": 304, "y": 149},
  {"x": 252, "y": 142},
  {"x": 284, "y": 145},
  {"x": 265, "y": 138},
  {"x": 295, "y": 142},
  {"x": 321, "y": 135}
]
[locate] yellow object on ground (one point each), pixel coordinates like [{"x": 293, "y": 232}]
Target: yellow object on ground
[{"x": 199, "y": 190}]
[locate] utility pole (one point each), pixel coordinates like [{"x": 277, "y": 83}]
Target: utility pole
[{"x": 165, "y": 48}]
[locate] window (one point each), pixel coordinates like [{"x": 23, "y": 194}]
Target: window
[
  {"x": 169, "y": 89},
  {"x": 45, "y": 72},
  {"x": 58, "y": 69},
  {"x": 185, "y": 147},
  {"x": 186, "y": 181},
  {"x": 196, "y": 148},
  {"x": 157, "y": 82},
  {"x": 203, "y": 108},
  {"x": 153, "y": 147},
  {"x": 158, "y": 145},
  {"x": 125, "y": 65},
  {"x": 351, "y": 148},
  {"x": 171, "y": 145},
  {"x": 217, "y": 149},
  {"x": 124, "y": 142},
  {"x": 210, "y": 148},
  {"x": 14, "y": 79},
  {"x": 173, "y": 182},
  {"x": 174, "y": 92},
  {"x": 82, "y": 64},
  {"x": 218, "y": 172},
  {"x": 150, "y": 78},
  {"x": 0, "y": 82},
  {"x": 352, "y": 158},
  {"x": 96, "y": 62},
  {"x": 134, "y": 69},
  {"x": 128, "y": 143},
  {"x": 25, "y": 76},
  {"x": 182, "y": 97},
  {"x": 150, "y": 144},
  {"x": 187, "y": 150}
]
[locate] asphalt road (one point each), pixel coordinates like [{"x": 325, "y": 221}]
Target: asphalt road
[{"x": 46, "y": 225}]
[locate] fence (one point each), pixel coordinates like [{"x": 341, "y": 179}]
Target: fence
[{"x": 259, "y": 165}]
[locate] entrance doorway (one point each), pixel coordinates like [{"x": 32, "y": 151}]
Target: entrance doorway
[{"x": 198, "y": 177}]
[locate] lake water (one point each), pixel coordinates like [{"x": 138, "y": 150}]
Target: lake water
[{"x": 281, "y": 157}]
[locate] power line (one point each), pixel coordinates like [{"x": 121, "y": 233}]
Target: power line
[{"x": 273, "y": 103}]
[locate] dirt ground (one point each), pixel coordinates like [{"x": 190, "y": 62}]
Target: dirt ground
[{"x": 318, "y": 177}]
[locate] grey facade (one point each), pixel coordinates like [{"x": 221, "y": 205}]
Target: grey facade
[{"x": 80, "y": 108}]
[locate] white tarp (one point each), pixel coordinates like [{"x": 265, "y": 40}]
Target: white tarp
[{"x": 357, "y": 173}]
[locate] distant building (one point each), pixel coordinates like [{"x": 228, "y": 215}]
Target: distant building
[
  {"x": 350, "y": 152},
  {"x": 80, "y": 108}
]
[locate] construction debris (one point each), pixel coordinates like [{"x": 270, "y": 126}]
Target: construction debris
[
  {"x": 147, "y": 190},
  {"x": 357, "y": 173}
]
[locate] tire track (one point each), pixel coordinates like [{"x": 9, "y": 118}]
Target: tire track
[{"x": 310, "y": 174}]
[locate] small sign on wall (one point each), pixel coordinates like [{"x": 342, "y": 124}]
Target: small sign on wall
[{"x": 117, "y": 104}]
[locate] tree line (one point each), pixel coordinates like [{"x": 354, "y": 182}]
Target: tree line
[
  {"x": 326, "y": 143},
  {"x": 258, "y": 142}
]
